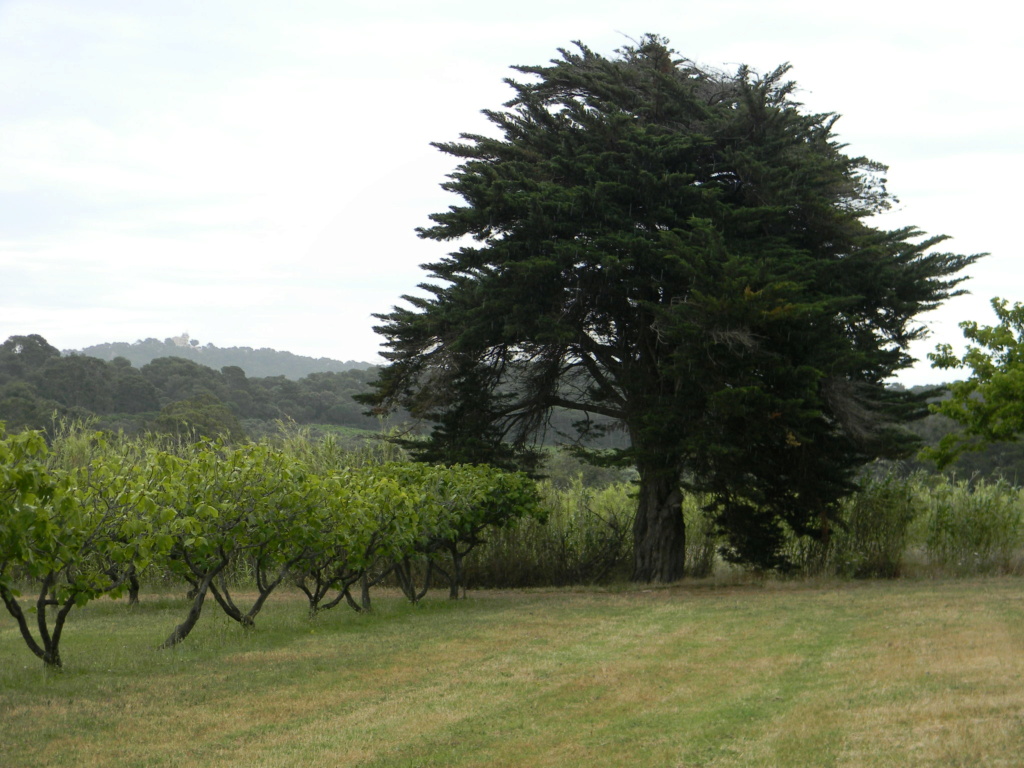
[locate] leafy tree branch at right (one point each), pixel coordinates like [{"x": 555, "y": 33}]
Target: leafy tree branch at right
[
  {"x": 689, "y": 254},
  {"x": 989, "y": 405}
]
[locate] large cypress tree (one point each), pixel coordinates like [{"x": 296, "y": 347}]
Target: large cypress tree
[{"x": 688, "y": 253}]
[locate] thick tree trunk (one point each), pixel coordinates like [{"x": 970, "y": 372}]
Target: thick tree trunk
[
  {"x": 659, "y": 534},
  {"x": 364, "y": 592}
]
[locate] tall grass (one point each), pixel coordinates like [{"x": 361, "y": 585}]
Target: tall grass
[
  {"x": 875, "y": 529},
  {"x": 586, "y": 539},
  {"x": 702, "y": 538},
  {"x": 893, "y": 526},
  {"x": 328, "y": 452},
  {"x": 974, "y": 528},
  {"x": 926, "y": 525}
]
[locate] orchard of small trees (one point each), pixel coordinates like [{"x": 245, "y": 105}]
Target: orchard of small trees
[{"x": 93, "y": 515}]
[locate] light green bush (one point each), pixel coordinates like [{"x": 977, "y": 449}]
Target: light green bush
[{"x": 873, "y": 535}]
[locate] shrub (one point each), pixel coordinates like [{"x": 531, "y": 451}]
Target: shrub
[{"x": 873, "y": 535}]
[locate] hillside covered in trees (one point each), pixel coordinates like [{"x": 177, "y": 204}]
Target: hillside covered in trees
[
  {"x": 37, "y": 382},
  {"x": 255, "y": 362}
]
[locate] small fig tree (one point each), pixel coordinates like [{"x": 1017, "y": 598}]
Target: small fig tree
[{"x": 73, "y": 535}]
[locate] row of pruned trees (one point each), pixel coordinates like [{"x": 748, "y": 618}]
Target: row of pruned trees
[{"x": 91, "y": 515}]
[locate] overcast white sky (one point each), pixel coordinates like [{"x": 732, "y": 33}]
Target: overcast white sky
[{"x": 252, "y": 171}]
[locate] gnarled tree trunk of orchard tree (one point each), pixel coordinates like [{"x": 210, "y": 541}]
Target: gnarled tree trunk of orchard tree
[
  {"x": 455, "y": 581},
  {"x": 133, "y": 586},
  {"x": 182, "y": 630},
  {"x": 659, "y": 533}
]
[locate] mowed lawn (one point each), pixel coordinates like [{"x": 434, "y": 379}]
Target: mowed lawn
[{"x": 905, "y": 673}]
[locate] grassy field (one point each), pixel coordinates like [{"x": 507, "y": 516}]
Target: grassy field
[{"x": 906, "y": 673}]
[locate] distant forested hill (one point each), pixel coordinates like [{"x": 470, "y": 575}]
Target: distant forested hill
[
  {"x": 256, "y": 363},
  {"x": 39, "y": 383}
]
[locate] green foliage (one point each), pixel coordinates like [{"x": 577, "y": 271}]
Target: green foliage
[
  {"x": 563, "y": 466},
  {"x": 327, "y": 452},
  {"x": 687, "y": 254},
  {"x": 989, "y": 405},
  {"x": 27, "y": 489},
  {"x": 203, "y": 417},
  {"x": 360, "y": 522},
  {"x": 584, "y": 537},
  {"x": 455, "y": 506},
  {"x": 246, "y": 503},
  {"x": 974, "y": 527},
  {"x": 78, "y": 382},
  {"x": 22, "y": 407},
  {"x": 895, "y": 525}
]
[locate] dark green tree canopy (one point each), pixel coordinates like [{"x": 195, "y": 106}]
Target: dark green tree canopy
[
  {"x": 200, "y": 418},
  {"x": 689, "y": 253},
  {"x": 21, "y": 356}
]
